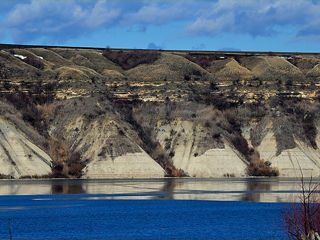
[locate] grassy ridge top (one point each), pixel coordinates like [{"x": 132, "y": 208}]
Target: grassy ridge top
[{"x": 262, "y": 53}]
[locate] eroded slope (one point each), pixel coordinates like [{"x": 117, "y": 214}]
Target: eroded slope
[{"x": 112, "y": 113}]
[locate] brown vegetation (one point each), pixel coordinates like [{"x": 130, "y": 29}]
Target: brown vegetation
[
  {"x": 203, "y": 60},
  {"x": 34, "y": 61},
  {"x": 174, "y": 172},
  {"x": 131, "y": 59},
  {"x": 261, "y": 168},
  {"x": 66, "y": 164},
  {"x": 302, "y": 219},
  {"x": 32, "y": 112}
]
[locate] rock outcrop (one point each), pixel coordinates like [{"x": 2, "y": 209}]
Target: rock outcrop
[
  {"x": 95, "y": 113},
  {"x": 19, "y": 157},
  {"x": 198, "y": 153}
]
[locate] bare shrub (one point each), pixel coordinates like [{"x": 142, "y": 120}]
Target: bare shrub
[
  {"x": 260, "y": 168},
  {"x": 174, "y": 172},
  {"x": 75, "y": 169},
  {"x": 3, "y": 176},
  {"x": 35, "y": 116},
  {"x": 131, "y": 59},
  {"x": 58, "y": 170},
  {"x": 306, "y": 115},
  {"x": 57, "y": 150},
  {"x": 34, "y": 108},
  {"x": 302, "y": 219},
  {"x": 75, "y": 165},
  {"x": 34, "y": 61},
  {"x": 203, "y": 60}
]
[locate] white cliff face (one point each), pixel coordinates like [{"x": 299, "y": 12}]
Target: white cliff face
[
  {"x": 130, "y": 165},
  {"x": 195, "y": 156},
  {"x": 217, "y": 163},
  {"x": 290, "y": 161},
  {"x": 110, "y": 151},
  {"x": 19, "y": 156}
]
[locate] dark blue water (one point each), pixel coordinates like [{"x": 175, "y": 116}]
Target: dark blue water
[{"x": 80, "y": 217}]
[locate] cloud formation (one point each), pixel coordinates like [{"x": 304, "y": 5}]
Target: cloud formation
[
  {"x": 257, "y": 18},
  {"x": 61, "y": 20}
]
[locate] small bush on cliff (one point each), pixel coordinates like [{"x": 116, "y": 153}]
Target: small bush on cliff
[
  {"x": 35, "y": 116},
  {"x": 174, "y": 172},
  {"x": 75, "y": 165},
  {"x": 260, "y": 168}
]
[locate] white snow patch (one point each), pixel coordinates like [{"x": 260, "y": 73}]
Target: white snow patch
[
  {"x": 100, "y": 53},
  {"x": 20, "y": 56},
  {"x": 222, "y": 57},
  {"x": 287, "y": 58}
]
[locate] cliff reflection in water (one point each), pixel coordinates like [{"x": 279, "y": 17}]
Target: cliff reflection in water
[{"x": 256, "y": 190}]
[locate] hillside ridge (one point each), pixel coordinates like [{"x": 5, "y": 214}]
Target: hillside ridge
[{"x": 110, "y": 113}]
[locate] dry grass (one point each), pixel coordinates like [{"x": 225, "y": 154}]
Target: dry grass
[
  {"x": 67, "y": 73},
  {"x": 233, "y": 72},
  {"x": 49, "y": 55},
  {"x": 314, "y": 72},
  {"x": 113, "y": 74},
  {"x": 271, "y": 69}
]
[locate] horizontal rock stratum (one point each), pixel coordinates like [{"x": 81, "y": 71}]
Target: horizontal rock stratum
[{"x": 121, "y": 113}]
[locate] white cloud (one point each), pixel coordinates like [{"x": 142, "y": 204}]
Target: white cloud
[
  {"x": 161, "y": 12},
  {"x": 257, "y": 18},
  {"x": 101, "y": 14},
  {"x": 61, "y": 20},
  {"x": 56, "y": 19}
]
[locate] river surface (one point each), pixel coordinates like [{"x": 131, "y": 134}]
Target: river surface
[{"x": 145, "y": 209}]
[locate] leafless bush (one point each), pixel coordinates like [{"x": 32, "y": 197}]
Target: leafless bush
[
  {"x": 174, "y": 172},
  {"x": 302, "y": 219},
  {"x": 203, "y": 60},
  {"x": 34, "y": 61},
  {"x": 57, "y": 150},
  {"x": 260, "y": 168},
  {"x": 75, "y": 165},
  {"x": 131, "y": 59}
]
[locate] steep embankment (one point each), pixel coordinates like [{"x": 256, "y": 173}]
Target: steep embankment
[
  {"x": 19, "y": 156},
  {"x": 108, "y": 146},
  {"x": 116, "y": 114}
]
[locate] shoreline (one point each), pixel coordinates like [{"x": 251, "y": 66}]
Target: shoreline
[{"x": 262, "y": 178}]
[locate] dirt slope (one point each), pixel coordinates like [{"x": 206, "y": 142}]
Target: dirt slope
[{"x": 127, "y": 113}]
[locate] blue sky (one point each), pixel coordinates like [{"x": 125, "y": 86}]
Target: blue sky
[{"x": 252, "y": 25}]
